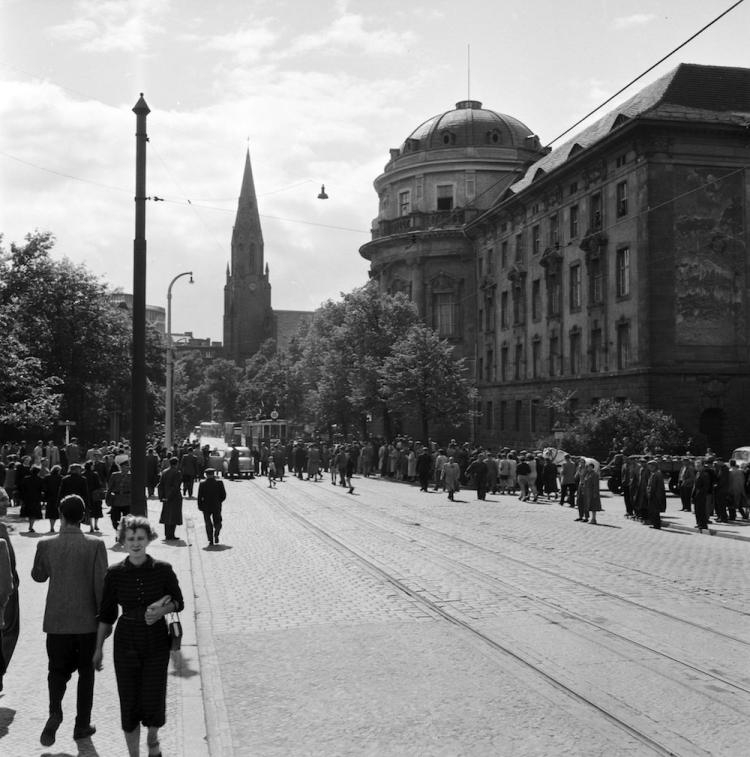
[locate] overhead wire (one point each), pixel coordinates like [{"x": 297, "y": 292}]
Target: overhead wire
[{"x": 648, "y": 70}]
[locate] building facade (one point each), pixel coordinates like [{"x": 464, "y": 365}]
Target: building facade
[{"x": 615, "y": 266}]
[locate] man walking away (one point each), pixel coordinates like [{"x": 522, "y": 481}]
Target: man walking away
[
  {"x": 211, "y": 493},
  {"x": 75, "y": 564}
]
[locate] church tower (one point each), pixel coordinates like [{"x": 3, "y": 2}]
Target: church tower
[{"x": 248, "y": 318}]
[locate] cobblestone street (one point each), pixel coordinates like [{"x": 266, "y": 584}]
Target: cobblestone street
[{"x": 394, "y": 622}]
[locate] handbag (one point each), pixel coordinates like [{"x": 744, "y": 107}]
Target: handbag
[{"x": 175, "y": 632}]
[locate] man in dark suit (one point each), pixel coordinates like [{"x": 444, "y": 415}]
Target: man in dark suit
[
  {"x": 211, "y": 493},
  {"x": 75, "y": 564}
]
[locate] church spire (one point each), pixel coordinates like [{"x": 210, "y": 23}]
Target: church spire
[{"x": 247, "y": 238}]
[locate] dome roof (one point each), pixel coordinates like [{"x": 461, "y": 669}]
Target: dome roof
[{"x": 470, "y": 125}]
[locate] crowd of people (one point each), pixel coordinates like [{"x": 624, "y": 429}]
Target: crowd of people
[{"x": 85, "y": 596}]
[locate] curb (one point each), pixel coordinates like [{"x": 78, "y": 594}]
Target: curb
[{"x": 217, "y": 725}]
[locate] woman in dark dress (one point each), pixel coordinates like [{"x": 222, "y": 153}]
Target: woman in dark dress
[
  {"x": 10, "y": 614},
  {"x": 32, "y": 494},
  {"x": 96, "y": 491},
  {"x": 147, "y": 590},
  {"x": 52, "y": 496}
]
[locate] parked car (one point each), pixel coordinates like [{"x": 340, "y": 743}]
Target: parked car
[
  {"x": 247, "y": 464},
  {"x": 216, "y": 460}
]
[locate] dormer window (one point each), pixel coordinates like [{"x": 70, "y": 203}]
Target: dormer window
[
  {"x": 494, "y": 137},
  {"x": 448, "y": 138}
]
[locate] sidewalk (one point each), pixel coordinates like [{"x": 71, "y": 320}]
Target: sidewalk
[{"x": 23, "y": 703}]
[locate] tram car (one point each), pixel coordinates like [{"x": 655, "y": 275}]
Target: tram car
[{"x": 268, "y": 431}]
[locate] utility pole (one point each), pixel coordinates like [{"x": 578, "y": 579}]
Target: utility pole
[{"x": 138, "y": 385}]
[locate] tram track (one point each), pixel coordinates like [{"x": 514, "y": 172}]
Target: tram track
[
  {"x": 439, "y": 611},
  {"x": 560, "y": 609},
  {"x": 444, "y": 609}
]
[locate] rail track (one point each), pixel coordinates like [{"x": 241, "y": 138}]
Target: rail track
[{"x": 438, "y": 548}]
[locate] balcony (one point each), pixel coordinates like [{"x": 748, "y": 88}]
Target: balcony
[{"x": 439, "y": 219}]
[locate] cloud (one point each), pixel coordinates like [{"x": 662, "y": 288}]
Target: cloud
[
  {"x": 636, "y": 19},
  {"x": 349, "y": 32},
  {"x": 113, "y": 25},
  {"x": 246, "y": 45}
]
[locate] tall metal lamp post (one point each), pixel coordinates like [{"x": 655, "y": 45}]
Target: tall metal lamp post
[{"x": 169, "y": 399}]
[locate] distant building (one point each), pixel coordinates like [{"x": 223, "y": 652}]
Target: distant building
[
  {"x": 615, "y": 266},
  {"x": 249, "y": 319},
  {"x": 155, "y": 314}
]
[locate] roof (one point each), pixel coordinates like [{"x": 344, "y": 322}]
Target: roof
[
  {"x": 690, "y": 92},
  {"x": 469, "y": 125}
]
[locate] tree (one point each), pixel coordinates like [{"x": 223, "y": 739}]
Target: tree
[
  {"x": 422, "y": 375},
  {"x": 65, "y": 320},
  {"x": 612, "y": 424}
]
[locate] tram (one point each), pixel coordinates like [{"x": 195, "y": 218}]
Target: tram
[{"x": 269, "y": 431}]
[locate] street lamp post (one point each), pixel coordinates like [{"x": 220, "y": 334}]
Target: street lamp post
[{"x": 169, "y": 399}]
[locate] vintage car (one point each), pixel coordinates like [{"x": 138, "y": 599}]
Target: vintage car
[
  {"x": 247, "y": 464},
  {"x": 216, "y": 460}
]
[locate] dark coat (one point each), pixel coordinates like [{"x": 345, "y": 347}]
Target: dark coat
[
  {"x": 171, "y": 497},
  {"x": 211, "y": 493}
]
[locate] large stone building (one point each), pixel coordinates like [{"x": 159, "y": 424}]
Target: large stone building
[
  {"x": 249, "y": 319},
  {"x": 614, "y": 266}
]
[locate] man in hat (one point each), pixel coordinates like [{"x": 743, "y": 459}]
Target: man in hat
[
  {"x": 211, "y": 493},
  {"x": 75, "y": 564}
]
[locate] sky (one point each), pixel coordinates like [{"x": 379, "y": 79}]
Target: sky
[{"x": 318, "y": 91}]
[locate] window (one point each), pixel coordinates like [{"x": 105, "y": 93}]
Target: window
[
  {"x": 503, "y": 414},
  {"x": 518, "y": 373},
  {"x": 595, "y": 281},
  {"x": 488, "y": 416},
  {"x": 445, "y": 314},
  {"x": 504, "y": 363},
  {"x": 490, "y": 261},
  {"x": 536, "y": 299},
  {"x": 480, "y": 369},
  {"x": 621, "y": 160},
  {"x": 445, "y": 197},
  {"x": 519, "y": 305},
  {"x": 404, "y": 203},
  {"x": 553, "y": 293},
  {"x": 554, "y": 354},
  {"x": 573, "y": 221},
  {"x": 519, "y": 247},
  {"x": 575, "y": 287},
  {"x": 470, "y": 189},
  {"x": 535, "y": 240},
  {"x": 623, "y": 345},
  {"x": 420, "y": 188},
  {"x": 535, "y": 208},
  {"x": 573, "y": 187},
  {"x": 622, "y": 266},
  {"x": 504, "y": 310},
  {"x": 595, "y": 212},
  {"x": 489, "y": 313},
  {"x": 622, "y": 199},
  {"x": 517, "y": 419},
  {"x": 554, "y": 231},
  {"x": 504, "y": 254},
  {"x": 595, "y": 364},
  {"x": 534, "y": 414},
  {"x": 575, "y": 352},
  {"x": 489, "y": 366},
  {"x": 536, "y": 358}
]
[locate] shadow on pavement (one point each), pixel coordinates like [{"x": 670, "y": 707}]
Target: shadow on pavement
[
  {"x": 217, "y": 547},
  {"x": 6, "y": 718},
  {"x": 174, "y": 543},
  {"x": 32, "y": 534},
  {"x": 181, "y": 667}
]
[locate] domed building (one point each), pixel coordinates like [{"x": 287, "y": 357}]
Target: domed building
[{"x": 448, "y": 171}]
